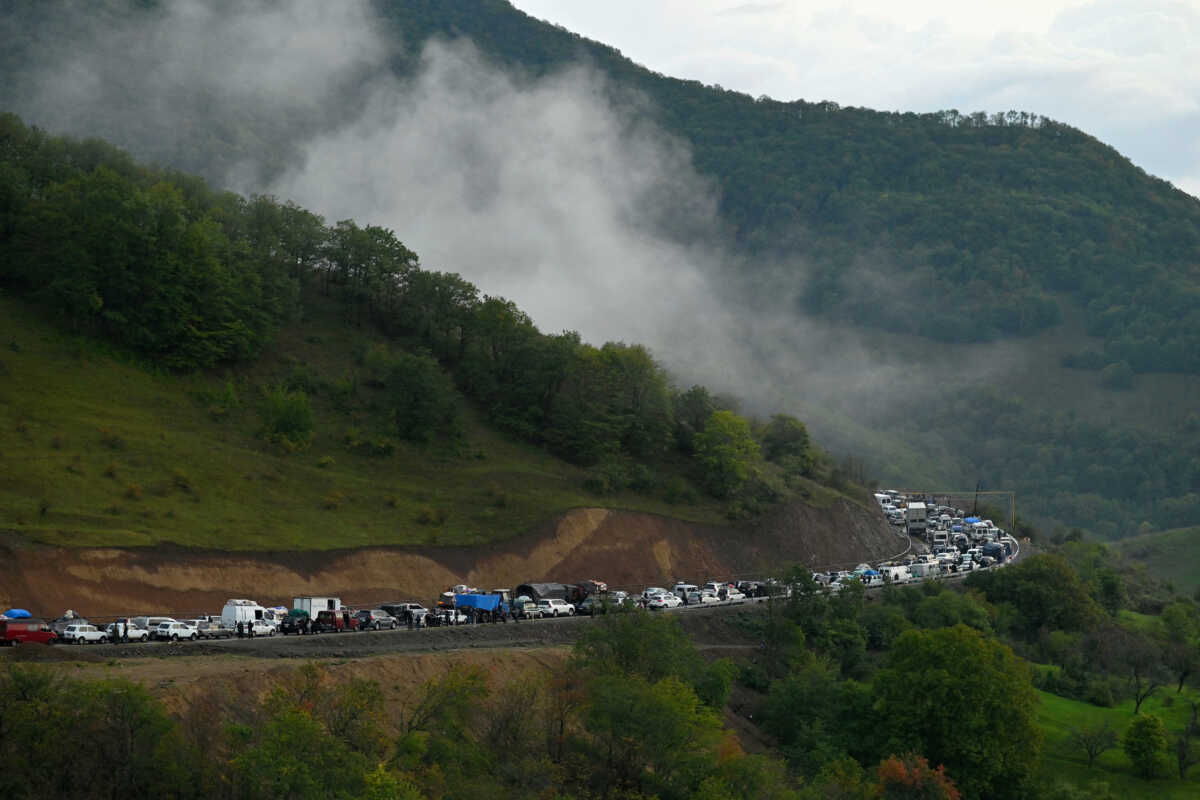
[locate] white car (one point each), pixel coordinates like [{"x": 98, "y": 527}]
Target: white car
[
  {"x": 84, "y": 634},
  {"x": 132, "y": 632},
  {"x": 653, "y": 590},
  {"x": 553, "y": 607},
  {"x": 259, "y": 627},
  {"x": 663, "y": 600},
  {"x": 702, "y": 597},
  {"x": 734, "y": 595},
  {"x": 174, "y": 631}
]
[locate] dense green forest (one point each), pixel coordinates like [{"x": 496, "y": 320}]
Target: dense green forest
[{"x": 1039, "y": 682}]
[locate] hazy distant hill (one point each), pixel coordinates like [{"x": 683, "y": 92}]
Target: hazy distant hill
[{"x": 947, "y": 229}]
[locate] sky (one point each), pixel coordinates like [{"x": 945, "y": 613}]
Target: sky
[{"x": 1124, "y": 71}]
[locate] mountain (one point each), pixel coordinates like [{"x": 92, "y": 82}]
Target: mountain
[{"x": 1025, "y": 300}]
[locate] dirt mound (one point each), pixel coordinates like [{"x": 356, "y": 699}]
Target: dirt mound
[{"x": 626, "y": 549}]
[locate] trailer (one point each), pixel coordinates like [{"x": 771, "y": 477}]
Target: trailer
[{"x": 315, "y": 604}]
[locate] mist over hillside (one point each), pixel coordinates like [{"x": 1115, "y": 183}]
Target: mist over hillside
[{"x": 561, "y": 183}]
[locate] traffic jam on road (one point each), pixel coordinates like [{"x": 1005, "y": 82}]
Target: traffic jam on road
[{"x": 941, "y": 542}]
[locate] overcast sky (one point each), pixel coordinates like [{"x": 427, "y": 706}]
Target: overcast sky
[{"x": 1125, "y": 71}]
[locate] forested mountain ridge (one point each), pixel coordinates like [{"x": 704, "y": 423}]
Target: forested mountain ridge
[
  {"x": 997, "y": 215},
  {"x": 990, "y": 213},
  {"x": 951, "y": 229}
]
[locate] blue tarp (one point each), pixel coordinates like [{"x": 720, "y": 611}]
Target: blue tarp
[
  {"x": 484, "y": 602},
  {"x": 17, "y": 613},
  {"x": 971, "y": 520},
  {"x": 870, "y": 572}
]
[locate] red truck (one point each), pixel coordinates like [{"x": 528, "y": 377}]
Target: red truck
[{"x": 17, "y": 631}]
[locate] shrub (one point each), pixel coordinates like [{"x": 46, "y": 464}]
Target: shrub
[
  {"x": 110, "y": 471},
  {"x": 111, "y": 440},
  {"x": 324, "y": 462},
  {"x": 287, "y": 418},
  {"x": 56, "y": 442},
  {"x": 678, "y": 491},
  {"x": 333, "y": 500},
  {"x": 1145, "y": 743},
  {"x": 76, "y": 465},
  {"x": 181, "y": 481},
  {"x": 1117, "y": 376},
  {"x": 428, "y": 515},
  {"x": 133, "y": 491}
]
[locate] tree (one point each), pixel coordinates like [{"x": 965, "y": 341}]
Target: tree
[
  {"x": 1145, "y": 743},
  {"x": 911, "y": 778},
  {"x": 1045, "y": 590},
  {"x": 1187, "y": 754},
  {"x": 974, "y": 712},
  {"x": 726, "y": 453},
  {"x": 692, "y": 410},
  {"x": 650, "y": 734},
  {"x": 1093, "y": 740},
  {"x": 785, "y": 442}
]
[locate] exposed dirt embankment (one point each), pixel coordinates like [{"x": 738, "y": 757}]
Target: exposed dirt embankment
[{"x": 623, "y": 548}]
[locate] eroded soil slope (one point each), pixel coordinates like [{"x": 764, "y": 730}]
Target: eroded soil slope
[{"x": 626, "y": 549}]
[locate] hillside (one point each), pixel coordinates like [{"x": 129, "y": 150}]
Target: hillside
[
  {"x": 947, "y": 299},
  {"x": 115, "y": 455},
  {"x": 1169, "y": 556}
]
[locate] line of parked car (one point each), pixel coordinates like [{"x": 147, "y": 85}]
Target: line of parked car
[{"x": 959, "y": 543}]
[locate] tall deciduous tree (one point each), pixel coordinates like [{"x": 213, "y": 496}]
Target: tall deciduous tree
[
  {"x": 974, "y": 711},
  {"x": 726, "y": 452}
]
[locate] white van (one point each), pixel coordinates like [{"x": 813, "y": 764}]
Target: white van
[{"x": 244, "y": 611}]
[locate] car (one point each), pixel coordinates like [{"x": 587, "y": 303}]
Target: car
[
  {"x": 328, "y": 621},
  {"x": 83, "y": 633},
  {"x": 209, "y": 628},
  {"x": 554, "y": 607},
  {"x": 653, "y": 590},
  {"x": 174, "y": 631},
  {"x": 663, "y": 600},
  {"x": 14, "y": 632},
  {"x": 260, "y": 627},
  {"x": 734, "y": 595},
  {"x": 402, "y": 611},
  {"x": 376, "y": 619},
  {"x": 682, "y": 589},
  {"x": 130, "y": 632},
  {"x": 702, "y": 597},
  {"x": 445, "y": 616}
]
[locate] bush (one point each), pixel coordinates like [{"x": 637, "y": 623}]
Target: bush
[
  {"x": 678, "y": 491},
  {"x": 333, "y": 501},
  {"x": 1145, "y": 743},
  {"x": 324, "y": 462},
  {"x": 1117, "y": 376},
  {"x": 111, "y": 440},
  {"x": 428, "y": 515},
  {"x": 287, "y": 417}
]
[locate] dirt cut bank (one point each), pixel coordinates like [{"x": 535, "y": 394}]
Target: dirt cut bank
[{"x": 626, "y": 549}]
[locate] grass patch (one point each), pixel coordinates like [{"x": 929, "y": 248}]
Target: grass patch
[
  {"x": 187, "y": 478},
  {"x": 1060, "y": 761}
]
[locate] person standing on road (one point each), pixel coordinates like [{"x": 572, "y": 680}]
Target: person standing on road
[{"x": 240, "y": 630}]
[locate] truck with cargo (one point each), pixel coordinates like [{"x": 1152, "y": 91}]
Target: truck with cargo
[{"x": 916, "y": 517}]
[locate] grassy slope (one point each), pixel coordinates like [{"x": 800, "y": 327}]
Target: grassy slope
[
  {"x": 102, "y": 452},
  {"x": 1057, "y": 716},
  {"x": 1169, "y": 556}
]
